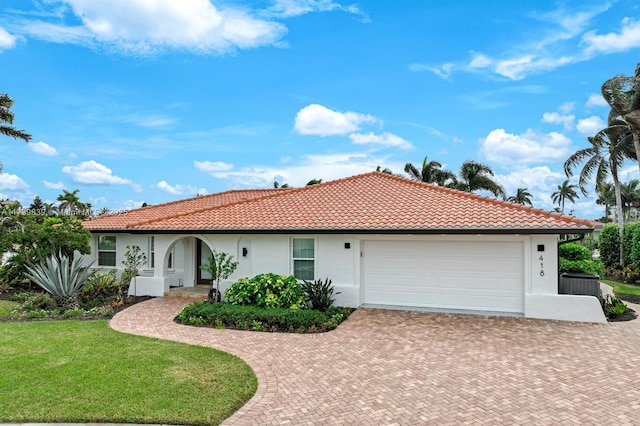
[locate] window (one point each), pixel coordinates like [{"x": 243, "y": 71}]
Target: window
[
  {"x": 107, "y": 250},
  {"x": 152, "y": 252},
  {"x": 170, "y": 261},
  {"x": 304, "y": 258}
]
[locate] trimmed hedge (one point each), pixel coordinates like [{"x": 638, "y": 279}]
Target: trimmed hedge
[
  {"x": 609, "y": 245},
  {"x": 225, "y": 315}
]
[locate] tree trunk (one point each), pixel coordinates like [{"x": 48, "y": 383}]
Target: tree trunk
[{"x": 619, "y": 211}]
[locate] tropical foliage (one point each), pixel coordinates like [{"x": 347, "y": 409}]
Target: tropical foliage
[
  {"x": 474, "y": 176},
  {"x": 267, "y": 290},
  {"x": 220, "y": 266},
  {"x": 430, "y": 172},
  {"x": 522, "y": 196},
  {"x": 61, "y": 276},
  {"x": 6, "y": 120}
]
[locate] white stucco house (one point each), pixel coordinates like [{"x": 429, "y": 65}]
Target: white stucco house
[{"x": 384, "y": 241}]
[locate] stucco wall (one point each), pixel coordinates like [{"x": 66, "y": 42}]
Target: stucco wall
[{"x": 338, "y": 257}]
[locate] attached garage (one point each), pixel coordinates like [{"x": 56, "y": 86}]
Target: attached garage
[{"x": 473, "y": 275}]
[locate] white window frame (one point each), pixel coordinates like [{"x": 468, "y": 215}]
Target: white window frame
[
  {"x": 114, "y": 251},
  {"x": 151, "y": 257},
  {"x": 171, "y": 260},
  {"x": 313, "y": 259}
]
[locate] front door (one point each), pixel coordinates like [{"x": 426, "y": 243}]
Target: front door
[{"x": 203, "y": 253}]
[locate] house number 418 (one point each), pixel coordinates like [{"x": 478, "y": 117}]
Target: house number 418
[{"x": 541, "y": 258}]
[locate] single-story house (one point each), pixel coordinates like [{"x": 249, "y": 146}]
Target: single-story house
[{"x": 383, "y": 240}]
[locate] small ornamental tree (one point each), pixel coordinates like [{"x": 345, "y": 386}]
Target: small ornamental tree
[
  {"x": 220, "y": 266},
  {"x": 133, "y": 259}
]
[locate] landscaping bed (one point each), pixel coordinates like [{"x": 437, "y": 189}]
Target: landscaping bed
[{"x": 225, "y": 315}]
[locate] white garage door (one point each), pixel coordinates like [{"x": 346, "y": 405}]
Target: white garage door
[{"x": 485, "y": 276}]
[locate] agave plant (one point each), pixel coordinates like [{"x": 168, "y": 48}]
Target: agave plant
[{"x": 62, "y": 277}]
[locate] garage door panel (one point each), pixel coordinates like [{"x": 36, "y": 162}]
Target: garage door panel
[{"x": 444, "y": 274}]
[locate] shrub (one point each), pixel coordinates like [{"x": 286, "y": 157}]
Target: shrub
[
  {"x": 577, "y": 258},
  {"x": 267, "y": 290},
  {"x": 630, "y": 229},
  {"x": 573, "y": 251},
  {"x": 99, "y": 289},
  {"x": 319, "y": 294},
  {"x": 261, "y": 319},
  {"x": 609, "y": 245},
  {"x": 589, "y": 266},
  {"x": 613, "y": 307},
  {"x": 589, "y": 241}
]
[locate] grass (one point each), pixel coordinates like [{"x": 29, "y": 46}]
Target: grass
[
  {"x": 620, "y": 288},
  {"x": 83, "y": 371},
  {"x": 6, "y": 306}
]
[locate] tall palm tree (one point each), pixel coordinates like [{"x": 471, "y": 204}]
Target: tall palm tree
[
  {"x": 6, "y": 116},
  {"x": 630, "y": 197},
  {"x": 622, "y": 93},
  {"x": 68, "y": 201},
  {"x": 606, "y": 197},
  {"x": 523, "y": 196},
  {"x": 606, "y": 155},
  {"x": 474, "y": 176},
  {"x": 565, "y": 192},
  {"x": 431, "y": 172}
]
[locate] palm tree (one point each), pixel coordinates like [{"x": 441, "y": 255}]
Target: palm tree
[
  {"x": 314, "y": 182},
  {"x": 606, "y": 155},
  {"x": 606, "y": 197},
  {"x": 474, "y": 176},
  {"x": 385, "y": 170},
  {"x": 630, "y": 197},
  {"x": 431, "y": 172},
  {"x": 6, "y": 116},
  {"x": 564, "y": 192},
  {"x": 523, "y": 196},
  {"x": 622, "y": 93}
]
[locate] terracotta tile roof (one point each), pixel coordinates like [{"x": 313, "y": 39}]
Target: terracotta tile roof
[{"x": 372, "y": 202}]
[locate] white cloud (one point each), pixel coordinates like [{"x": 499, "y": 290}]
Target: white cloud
[
  {"x": 540, "y": 181},
  {"x": 384, "y": 139},
  {"x": 518, "y": 67},
  {"x": 7, "y": 41},
  {"x": 212, "y": 166},
  {"x": 9, "y": 182},
  {"x": 567, "y": 107},
  {"x": 151, "y": 120},
  {"x": 94, "y": 173},
  {"x": 43, "y": 148},
  {"x": 290, "y": 8},
  {"x": 144, "y": 27},
  {"x": 316, "y": 119},
  {"x": 628, "y": 38},
  {"x": 131, "y": 204},
  {"x": 528, "y": 148},
  {"x": 299, "y": 172},
  {"x": 53, "y": 185},
  {"x": 479, "y": 60},
  {"x": 556, "y": 118},
  {"x": 596, "y": 100},
  {"x": 179, "y": 189},
  {"x": 591, "y": 125}
]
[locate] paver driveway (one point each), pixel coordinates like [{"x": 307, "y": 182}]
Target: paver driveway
[{"x": 395, "y": 367}]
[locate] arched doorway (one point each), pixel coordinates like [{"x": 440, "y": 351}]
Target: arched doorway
[{"x": 203, "y": 253}]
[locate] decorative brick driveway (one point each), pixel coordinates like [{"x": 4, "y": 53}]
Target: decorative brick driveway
[{"x": 394, "y": 367}]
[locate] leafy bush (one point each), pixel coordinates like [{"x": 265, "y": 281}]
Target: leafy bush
[
  {"x": 319, "y": 294},
  {"x": 267, "y": 290},
  {"x": 589, "y": 266},
  {"x": 613, "y": 307},
  {"x": 609, "y": 245},
  {"x": 589, "y": 241},
  {"x": 573, "y": 251},
  {"x": 577, "y": 258},
  {"x": 261, "y": 319},
  {"x": 99, "y": 289},
  {"x": 630, "y": 231}
]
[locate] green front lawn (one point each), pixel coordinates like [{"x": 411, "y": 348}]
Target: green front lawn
[
  {"x": 621, "y": 288},
  {"x": 83, "y": 371}
]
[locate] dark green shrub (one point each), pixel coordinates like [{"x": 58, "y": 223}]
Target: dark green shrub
[
  {"x": 574, "y": 251},
  {"x": 319, "y": 294},
  {"x": 630, "y": 229},
  {"x": 261, "y": 319},
  {"x": 99, "y": 289},
  {"x": 267, "y": 290},
  {"x": 609, "y": 245},
  {"x": 590, "y": 266}
]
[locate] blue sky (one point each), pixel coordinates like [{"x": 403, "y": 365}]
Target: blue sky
[{"x": 135, "y": 101}]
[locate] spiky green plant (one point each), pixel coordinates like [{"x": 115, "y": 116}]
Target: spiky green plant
[{"x": 62, "y": 277}]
